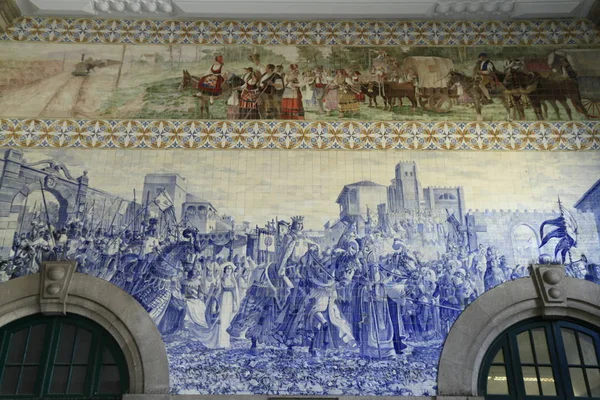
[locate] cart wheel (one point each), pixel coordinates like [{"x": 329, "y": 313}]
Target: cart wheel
[
  {"x": 591, "y": 106},
  {"x": 423, "y": 102},
  {"x": 440, "y": 103}
]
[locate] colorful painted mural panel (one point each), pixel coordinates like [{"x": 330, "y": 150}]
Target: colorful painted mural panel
[
  {"x": 301, "y": 272},
  {"x": 311, "y": 83}
]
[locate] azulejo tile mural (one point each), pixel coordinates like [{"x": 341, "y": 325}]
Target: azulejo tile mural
[
  {"x": 301, "y": 272},
  {"x": 313, "y": 83}
]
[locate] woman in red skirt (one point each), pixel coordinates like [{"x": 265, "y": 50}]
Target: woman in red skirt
[
  {"x": 249, "y": 97},
  {"x": 210, "y": 84},
  {"x": 291, "y": 106}
]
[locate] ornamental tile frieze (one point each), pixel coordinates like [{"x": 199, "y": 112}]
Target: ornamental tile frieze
[
  {"x": 348, "y": 135},
  {"x": 320, "y": 33}
]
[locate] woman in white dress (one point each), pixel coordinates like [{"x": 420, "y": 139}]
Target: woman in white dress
[{"x": 226, "y": 298}]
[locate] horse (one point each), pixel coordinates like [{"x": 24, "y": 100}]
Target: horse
[
  {"x": 190, "y": 82},
  {"x": 471, "y": 86},
  {"x": 156, "y": 291},
  {"x": 550, "y": 89}
]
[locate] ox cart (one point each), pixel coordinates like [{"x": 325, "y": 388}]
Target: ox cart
[
  {"x": 581, "y": 65},
  {"x": 431, "y": 74}
]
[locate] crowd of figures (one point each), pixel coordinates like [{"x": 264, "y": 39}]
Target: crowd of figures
[{"x": 369, "y": 292}]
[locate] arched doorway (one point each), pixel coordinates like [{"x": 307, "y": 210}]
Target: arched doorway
[
  {"x": 40, "y": 208},
  {"x": 60, "y": 356},
  {"x": 525, "y": 245},
  {"x": 543, "y": 359}
]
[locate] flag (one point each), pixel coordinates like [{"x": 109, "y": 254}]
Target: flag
[
  {"x": 163, "y": 201},
  {"x": 566, "y": 232},
  {"x": 266, "y": 242}
]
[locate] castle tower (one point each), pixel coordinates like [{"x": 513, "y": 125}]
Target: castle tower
[
  {"x": 405, "y": 192},
  {"x": 173, "y": 184}
]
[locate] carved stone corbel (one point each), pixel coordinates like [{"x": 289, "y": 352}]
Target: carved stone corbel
[
  {"x": 549, "y": 282},
  {"x": 55, "y": 281}
]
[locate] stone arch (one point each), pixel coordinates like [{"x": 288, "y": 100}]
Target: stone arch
[
  {"x": 109, "y": 306},
  {"x": 65, "y": 207},
  {"x": 497, "y": 310},
  {"x": 519, "y": 254}
]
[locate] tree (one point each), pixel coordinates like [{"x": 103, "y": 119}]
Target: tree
[{"x": 309, "y": 55}]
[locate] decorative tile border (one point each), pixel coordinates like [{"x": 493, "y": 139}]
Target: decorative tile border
[
  {"x": 350, "y": 135},
  {"x": 350, "y": 33}
]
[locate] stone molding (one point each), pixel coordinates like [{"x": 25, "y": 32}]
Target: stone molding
[
  {"x": 289, "y": 9},
  {"x": 497, "y": 310},
  {"x": 319, "y": 33},
  {"x": 109, "y": 306},
  {"x": 310, "y": 135}
]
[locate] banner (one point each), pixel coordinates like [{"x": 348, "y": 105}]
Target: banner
[
  {"x": 163, "y": 201},
  {"x": 266, "y": 242}
]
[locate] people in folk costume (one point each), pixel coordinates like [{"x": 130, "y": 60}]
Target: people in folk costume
[
  {"x": 348, "y": 104},
  {"x": 332, "y": 92},
  {"x": 249, "y": 96},
  {"x": 210, "y": 84},
  {"x": 360, "y": 96},
  {"x": 321, "y": 80},
  {"x": 271, "y": 85},
  {"x": 233, "y": 104},
  {"x": 291, "y": 105},
  {"x": 308, "y": 92}
]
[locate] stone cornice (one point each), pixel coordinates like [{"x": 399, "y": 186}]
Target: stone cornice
[{"x": 298, "y": 9}]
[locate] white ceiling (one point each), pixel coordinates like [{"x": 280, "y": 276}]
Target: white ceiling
[{"x": 311, "y": 9}]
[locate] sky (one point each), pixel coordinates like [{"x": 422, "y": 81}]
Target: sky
[{"x": 258, "y": 185}]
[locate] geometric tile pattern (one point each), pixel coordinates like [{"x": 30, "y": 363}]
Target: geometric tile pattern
[
  {"x": 354, "y": 33},
  {"x": 350, "y": 135}
]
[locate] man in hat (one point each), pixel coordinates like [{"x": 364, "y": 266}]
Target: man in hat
[
  {"x": 271, "y": 87},
  {"x": 484, "y": 71}
]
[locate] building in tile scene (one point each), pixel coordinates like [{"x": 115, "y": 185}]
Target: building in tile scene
[{"x": 358, "y": 200}]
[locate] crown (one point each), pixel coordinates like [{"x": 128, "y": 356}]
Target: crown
[{"x": 298, "y": 218}]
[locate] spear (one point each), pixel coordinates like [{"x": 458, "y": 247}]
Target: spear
[{"x": 47, "y": 216}]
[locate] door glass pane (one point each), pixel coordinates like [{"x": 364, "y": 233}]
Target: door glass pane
[
  {"x": 541, "y": 345},
  {"x": 499, "y": 359},
  {"x": 547, "y": 381},
  {"x": 593, "y": 376},
  {"x": 530, "y": 381},
  {"x": 578, "y": 382},
  {"x": 65, "y": 344},
  {"x": 82, "y": 352},
  {"x": 497, "y": 382},
  {"x": 525, "y": 353},
  {"x": 107, "y": 357},
  {"x": 35, "y": 344},
  {"x": 588, "y": 349},
  {"x": 109, "y": 380},
  {"x": 10, "y": 378},
  {"x": 77, "y": 380},
  {"x": 571, "y": 346},
  {"x": 17, "y": 347},
  {"x": 60, "y": 375},
  {"x": 28, "y": 379}
]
